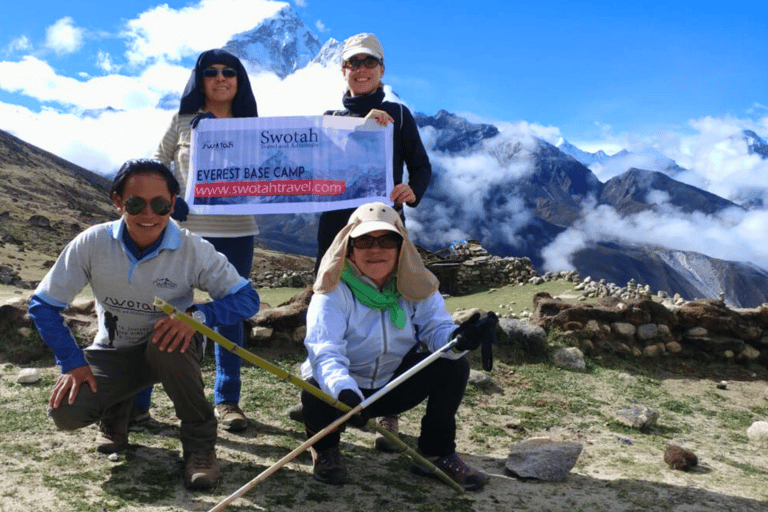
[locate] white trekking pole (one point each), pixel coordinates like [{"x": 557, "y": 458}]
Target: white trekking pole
[{"x": 333, "y": 426}]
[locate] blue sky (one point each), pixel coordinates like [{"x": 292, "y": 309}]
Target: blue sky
[
  {"x": 602, "y": 74},
  {"x": 680, "y": 78}
]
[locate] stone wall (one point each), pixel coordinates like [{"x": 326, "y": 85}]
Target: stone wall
[{"x": 704, "y": 329}]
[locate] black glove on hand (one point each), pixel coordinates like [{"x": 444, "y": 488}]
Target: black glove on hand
[
  {"x": 180, "y": 210},
  {"x": 352, "y": 399},
  {"x": 198, "y": 117},
  {"x": 472, "y": 332},
  {"x": 466, "y": 334}
]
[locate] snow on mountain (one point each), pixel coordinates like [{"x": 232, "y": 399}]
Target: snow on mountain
[
  {"x": 280, "y": 44},
  {"x": 584, "y": 157},
  {"x": 329, "y": 54},
  {"x": 519, "y": 195},
  {"x": 607, "y": 166}
]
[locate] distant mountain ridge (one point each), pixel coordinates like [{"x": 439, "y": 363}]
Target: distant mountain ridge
[
  {"x": 540, "y": 192},
  {"x": 517, "y": 194},
  {"x": 63, "y": 197}
]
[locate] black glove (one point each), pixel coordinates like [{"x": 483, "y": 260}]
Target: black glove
[
  {"x": 180, "y": 210},
  {"x": 352, "y": 399},
  {"x": 466, "y": 334},
  {"x": 474, "y": 332},
  {"x": 198, "y": 117}
]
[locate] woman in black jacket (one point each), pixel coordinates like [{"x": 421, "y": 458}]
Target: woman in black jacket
[{"x": 362, "y": 63}]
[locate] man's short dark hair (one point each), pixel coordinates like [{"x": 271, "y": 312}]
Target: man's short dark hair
[{"x": 143, "y": 166}]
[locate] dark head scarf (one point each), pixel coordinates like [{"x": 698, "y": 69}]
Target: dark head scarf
[{"x": 193, "y": 98}]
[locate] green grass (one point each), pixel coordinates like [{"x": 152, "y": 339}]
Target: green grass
[{"x": 530, "y": 398}]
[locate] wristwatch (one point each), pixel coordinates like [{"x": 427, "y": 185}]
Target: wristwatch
[{"x": 196, "y": 315}]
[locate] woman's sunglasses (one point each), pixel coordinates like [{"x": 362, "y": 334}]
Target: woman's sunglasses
[
  {"x": 388, "y": 241},
  {"x": 212, "y": 72},
  {"x": 135, "y": 205},
  {"x": 369, "y": 62}
]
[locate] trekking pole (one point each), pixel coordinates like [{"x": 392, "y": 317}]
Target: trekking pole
[
  {"x": 301, "y": 383},
  {"x": 333, "y": 426}
]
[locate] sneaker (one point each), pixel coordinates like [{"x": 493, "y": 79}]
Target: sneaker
[
  {"x": 231, "y": 417},
  {"x": 470, "y": 479},
  {"x": 112, "y": 437},
  {"x": 328, "y": 466},
  {"x": 389, "y": 423},
  {"x": 201, "y": 471},
  {"x": 296, "y": 413}
]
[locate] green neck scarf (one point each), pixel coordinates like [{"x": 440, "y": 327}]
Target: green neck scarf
[{"x": 373, "y": 298}]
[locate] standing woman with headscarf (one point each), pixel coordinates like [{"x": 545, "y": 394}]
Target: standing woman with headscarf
[{"x": 219, "y": 86}]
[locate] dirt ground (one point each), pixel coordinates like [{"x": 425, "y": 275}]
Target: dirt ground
[{"x": 618, "y": 470}]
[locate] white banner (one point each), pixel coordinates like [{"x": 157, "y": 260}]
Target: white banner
[{"x": 259, "y": 165}]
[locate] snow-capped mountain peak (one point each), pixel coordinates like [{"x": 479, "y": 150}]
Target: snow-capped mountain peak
[{"x": 280, "y": 44}]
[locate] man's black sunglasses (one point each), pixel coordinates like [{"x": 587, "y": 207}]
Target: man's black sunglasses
[
  {"x": 388, "y": 241},
  {"x": 135, "y": 205},
  {"x": 212, "y": 72},
  {"x": 369, "y": 62}
]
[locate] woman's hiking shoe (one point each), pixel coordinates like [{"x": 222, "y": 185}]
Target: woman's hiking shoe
[
  {"x": 470, "y": 479},
  {"x": 296, "y": 413},
  {"x": 201, "y": 470},
  {"x": 231, "y": 417},
  {"x": 112, "y": 436},
  {"x": 389, "y": 423},
  {"x": 328, "y": 466}
]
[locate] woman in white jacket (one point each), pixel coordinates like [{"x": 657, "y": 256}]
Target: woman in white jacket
[{"x": 376, "y": 312}]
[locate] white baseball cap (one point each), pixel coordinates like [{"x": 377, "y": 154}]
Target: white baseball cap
[{"x": 362, "y": 43}]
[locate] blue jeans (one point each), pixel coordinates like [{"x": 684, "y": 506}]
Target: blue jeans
[{"x": 239, "y": 252}]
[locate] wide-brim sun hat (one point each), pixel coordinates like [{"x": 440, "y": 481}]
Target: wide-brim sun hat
[
  {"x": 374, "y": 217},
  {"x": 414, "y": 280}
]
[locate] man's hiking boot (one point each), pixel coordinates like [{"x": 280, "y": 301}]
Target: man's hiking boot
[
  {"x": 382, "y": 443},
  {"x": 470, "y": 479},
  {"x": 231, "y": 417},
  {"x": 328, "y": 466},
  {"x": 112, "y": 436},
  {"x": 201, "y": 470},
  {"x": 296, "y": 413}
]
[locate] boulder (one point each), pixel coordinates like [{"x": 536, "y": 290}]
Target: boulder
[
  {"x": 637, "y": 417},
  {"x": 570, "y": 358},
  {"x": 28, "y": 376},
  {"x": 528, "y": 336},
  {"x": 758, "y": 434},
  {"x": 542, "y": 458}
]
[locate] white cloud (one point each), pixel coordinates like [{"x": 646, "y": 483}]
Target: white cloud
[
  {"x": 163, "y": 33},
  {"x": 104, "y": 62},
  {"x": 300, "y": 3},
  {"x": 116, "y": 91},
  {"x": 733, "y": 234},
  {"x": 64, "y": 37},
  {"x": 321, "y": 26},
  {"x": 308, "y": 91},
  {"x": 20, "y": 44},
  {"x": 100, "y": 144}
]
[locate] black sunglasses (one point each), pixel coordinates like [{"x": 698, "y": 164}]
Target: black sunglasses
[
  {"x": 369, "y": 62},
  {"x": 212, "y": 72},
  {"x": 388, "y": 241},
  {"x": 135, "y": 205}
]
